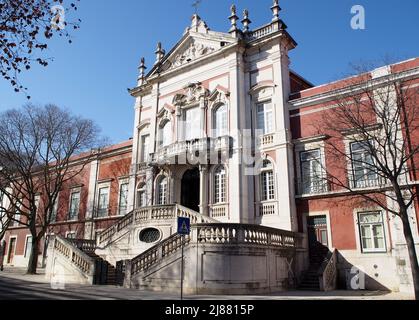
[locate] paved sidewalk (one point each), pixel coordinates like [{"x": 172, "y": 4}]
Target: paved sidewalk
[{"x": 15, "y": 284}]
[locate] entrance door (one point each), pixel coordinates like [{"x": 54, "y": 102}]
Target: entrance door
[
  {"x": 11, "y": 252},
  {"x": 317, "y": 230},
  {"x": 190, "y": 190}
]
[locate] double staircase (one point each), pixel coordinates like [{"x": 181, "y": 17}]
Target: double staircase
[
  {"x": 210, "y": 260},
  {"x": 94, "y": 262}
]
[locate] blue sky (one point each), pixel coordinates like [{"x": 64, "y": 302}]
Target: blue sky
[{"x": 91, "y": 76}]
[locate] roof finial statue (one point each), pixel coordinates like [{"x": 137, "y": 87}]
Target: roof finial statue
[
  {"x": 159, "y": 53},
  {"x": 142, "y": 69},
  {"x": 275, "y": 11},
  {"x": 233, "y": 20},
  {"x": 246, "y": 21},
  {"x": 196, "y": 5}
]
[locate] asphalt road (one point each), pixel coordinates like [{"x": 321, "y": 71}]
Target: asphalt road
[{"x": 18, "y": 286}]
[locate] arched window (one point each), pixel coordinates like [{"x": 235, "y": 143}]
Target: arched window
[
  {"x": 221, "y": 121},
  {"x": 267, "y": 181},
  {"x": 162, "y": 191},
  {"x": 166, "y": 134},
  {"x": 219, "y": 185},
  {"x": 141, "y": 196}
]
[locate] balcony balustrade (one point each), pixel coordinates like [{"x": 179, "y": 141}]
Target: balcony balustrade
[{"x": 204, "y": 147}]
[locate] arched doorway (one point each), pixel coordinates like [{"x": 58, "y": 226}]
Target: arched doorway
[{"x": 190, "y": 189}]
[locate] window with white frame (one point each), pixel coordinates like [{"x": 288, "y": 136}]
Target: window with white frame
[
  {"x": 74, "y": 205},
  {"x": 221, "y": 121},
  {"x": 144, "y": 148},
  {"x": 166, "y": 134},
  {"x": 162, "y": 190},
  {"x": 123, "y": 198},
  {"x": 312, "y": 180},
  {"x": 192, "y": 123},
  {"x": 142, "y": 196},
  {"x": 28, "y": 246},
  {"x": 364, "y": 174},
  {"x": 220, "y": 185},
  {"x": 267, "y": 181},
  {"x": 264, "y": 114},
  {"x": 103, "y": 202},
  {"x": 371, "y": 231}
]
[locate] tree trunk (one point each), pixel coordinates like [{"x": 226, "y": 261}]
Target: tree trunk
[
  {"x": 33, "y": 258},
  {"x": 412, "y": 252}
]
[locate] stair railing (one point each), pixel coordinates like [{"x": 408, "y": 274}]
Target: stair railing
[
  {"x": 152, "y": 213},
  {"x": 328, "y": 272},
  {"x": 153, "y": 255},
  {"x": 216, "y": 233},
  {"x": 84, "y": 245},
  {"x": 74, "y": 256}
]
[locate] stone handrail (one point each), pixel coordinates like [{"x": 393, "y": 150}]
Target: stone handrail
[
  {"x": 123, "y": 223},
  {"x": 83, "y": 245},
  {"x": 163, "y": 249},
  {"x": 76, "y": 257},
  {"x": 190, "y": 146},
  {"x": 247, "y": 234},
  {"x": 153, "y": 213},
  {"x": 217, "y": 233},
  {"x": 328, "y": 272}
]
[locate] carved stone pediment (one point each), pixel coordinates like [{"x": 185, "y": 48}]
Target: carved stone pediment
[
  {"x": 191, "y": 93},
  {"x": 191, "y": 52}
]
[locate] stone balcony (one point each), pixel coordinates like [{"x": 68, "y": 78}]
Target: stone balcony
[
  {"x": 199, "y": 150},
  {"x": 268, "y": 141}
]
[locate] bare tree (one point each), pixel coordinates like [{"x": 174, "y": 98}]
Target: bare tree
[
  {"x": 25, "y": 28},
  {"x": 371, "y": 148},
  {"x": 41, "y": 149}
]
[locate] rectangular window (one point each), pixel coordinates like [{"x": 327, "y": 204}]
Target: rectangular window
[
  {"x": 311, "y": 172},
  {"x": 144, "y": 148},
  {"x": 192, "y": 123},
  {"x": 103, "y": 202},
  {"x": 74, "y": 205},
  {"x": 364, "y": 174},
  {"x": 123, "y": 198},
  {"x": 142, "y": 198},
  {"x": 265, "y": 117},
  {"x": 28, "y": 246},
  {"x": 371, "y": 231},
  {"x": 221, "y": 121},
  {"x": 268, "y": 190},
  {"x": 163, "y": 192},
  {"x": 220, "y": 186}
]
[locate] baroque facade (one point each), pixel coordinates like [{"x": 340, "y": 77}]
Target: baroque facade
[{"x": 223, "y": 133}]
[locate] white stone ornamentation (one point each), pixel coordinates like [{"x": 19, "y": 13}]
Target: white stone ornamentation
[{"x": 193, "y": 52}]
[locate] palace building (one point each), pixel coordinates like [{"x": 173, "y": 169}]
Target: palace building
[{"x": 225, "y": 133}]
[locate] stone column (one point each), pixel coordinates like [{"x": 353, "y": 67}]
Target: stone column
[
  {"x": 203, "y": 132},
  {"x": 178, "y": 133},
  {"x": 171, "y": 186},
  {"x": 203, "y": 190},
  {"x": 286, "y": 218}
]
